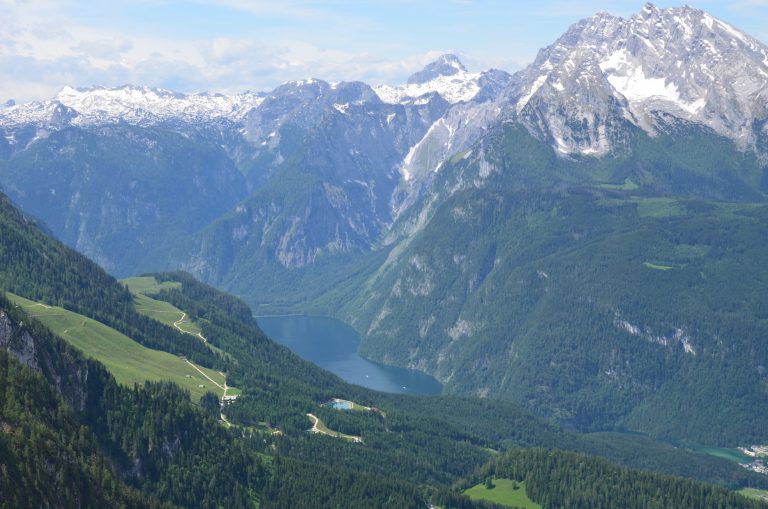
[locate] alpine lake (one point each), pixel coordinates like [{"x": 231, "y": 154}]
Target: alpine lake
[{"x": 332, "y": 345}]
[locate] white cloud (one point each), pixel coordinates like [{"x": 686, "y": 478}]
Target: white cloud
[
  {"x": 44, "y": 46},
  {"x": 107, "y": 49}
]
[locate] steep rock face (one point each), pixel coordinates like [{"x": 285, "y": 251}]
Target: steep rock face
[
  {"x": 476, "y": 100},
  {"x": 324, "y": 171},
  {"x": 344, "y": 121},
  {"x": 116, "y": 193},
  {"x": 19, "y": 342},
  {"x": 445, "y": 65},
  {"x": 65, "y": 371},
  {"x": 607, "y": 70}
]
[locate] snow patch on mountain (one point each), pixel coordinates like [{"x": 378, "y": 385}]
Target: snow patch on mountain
[
  {"x": 535, "y": 86},
  {"x": 136, "y": 103},
  {"x": 51, "y": 114},
  {"x": 627, "y": 78},
  {"x": 455, "y": 132}
]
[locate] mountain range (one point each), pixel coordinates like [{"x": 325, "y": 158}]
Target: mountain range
[{"x": 583, "y": 237}]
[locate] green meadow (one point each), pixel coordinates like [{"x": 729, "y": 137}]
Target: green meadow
[
  {"x": 754, "y": 493},
  {"x": 126, "y": 359},
  {"x": 505, "y": 492},
  {"x": 144, "y": 287}
]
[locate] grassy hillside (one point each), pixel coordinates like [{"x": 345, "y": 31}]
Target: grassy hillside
[
  {"x": 144, "y": 287},
  {"x": 129, "y": 362},
  {"x": 41, "y": 269}
]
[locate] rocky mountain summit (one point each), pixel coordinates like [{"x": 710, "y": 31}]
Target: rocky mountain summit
[{"x": 606, "y": 70}]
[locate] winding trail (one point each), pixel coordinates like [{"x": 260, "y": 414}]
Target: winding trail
[
  {"x": 199, "y": 335},
  {"x": 182, "y": 320},
  {"x": 315, "y": 420},
  {"x": 331, "y": 433},
  {"x": 222, "y": 401}
]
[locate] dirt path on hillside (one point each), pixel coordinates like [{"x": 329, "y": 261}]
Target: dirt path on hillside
[
  {"x": 331, "y": 433},
  {"x": 180, "y": 321},
  {"x": 214, "y": 382}
]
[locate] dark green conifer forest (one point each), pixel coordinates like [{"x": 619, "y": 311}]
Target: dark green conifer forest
[{"x": 71, "y": 436}]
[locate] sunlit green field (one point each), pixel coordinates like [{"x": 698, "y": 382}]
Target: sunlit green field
[
  {"x": 143, "y": 287},
  {"x": 504, "y": 493},
  {"x": 755, "y": 494},
  {"x": 126, "y": 359}
]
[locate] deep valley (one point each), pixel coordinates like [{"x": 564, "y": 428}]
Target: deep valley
[{"x": 471, "y": 290}]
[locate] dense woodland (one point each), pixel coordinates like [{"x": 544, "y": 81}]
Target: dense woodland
[
  {"x": 149, "y": 445},
  {"x": 47, "y": 457},
  {"x": 424, "y": 425},
  {"x": 598, "y": 306},
  {"x": 563, "y": 480}
]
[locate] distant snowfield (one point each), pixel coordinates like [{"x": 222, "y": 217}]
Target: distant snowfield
[{"x": 134, "y": 105}]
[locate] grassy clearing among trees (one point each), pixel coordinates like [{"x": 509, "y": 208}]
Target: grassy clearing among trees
[
  {"x": 755, "y": 494},
  {"x": 143, "y": 287},
  {"x": 504, "y": 492}
]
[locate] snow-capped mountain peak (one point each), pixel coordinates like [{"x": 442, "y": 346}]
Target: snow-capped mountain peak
[
  {"x": 445, "y": 65},
  {"x": 447, "y": 76},
  {"x": 606, "y": 69}
]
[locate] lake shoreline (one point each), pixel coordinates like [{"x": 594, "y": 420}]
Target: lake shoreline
[{"x": 332, "y": 345}]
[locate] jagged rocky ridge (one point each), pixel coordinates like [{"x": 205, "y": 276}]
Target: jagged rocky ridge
[{"x": 606, "y": 70}]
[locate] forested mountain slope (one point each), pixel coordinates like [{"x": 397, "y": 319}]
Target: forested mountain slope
[
  {"x": 153, "y": 439},
  {"x": 625, "y": 292},
  {"x": 557, "y": 479}
]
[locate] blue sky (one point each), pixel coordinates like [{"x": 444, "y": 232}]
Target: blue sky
[{"x": 235, "y": 45}]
